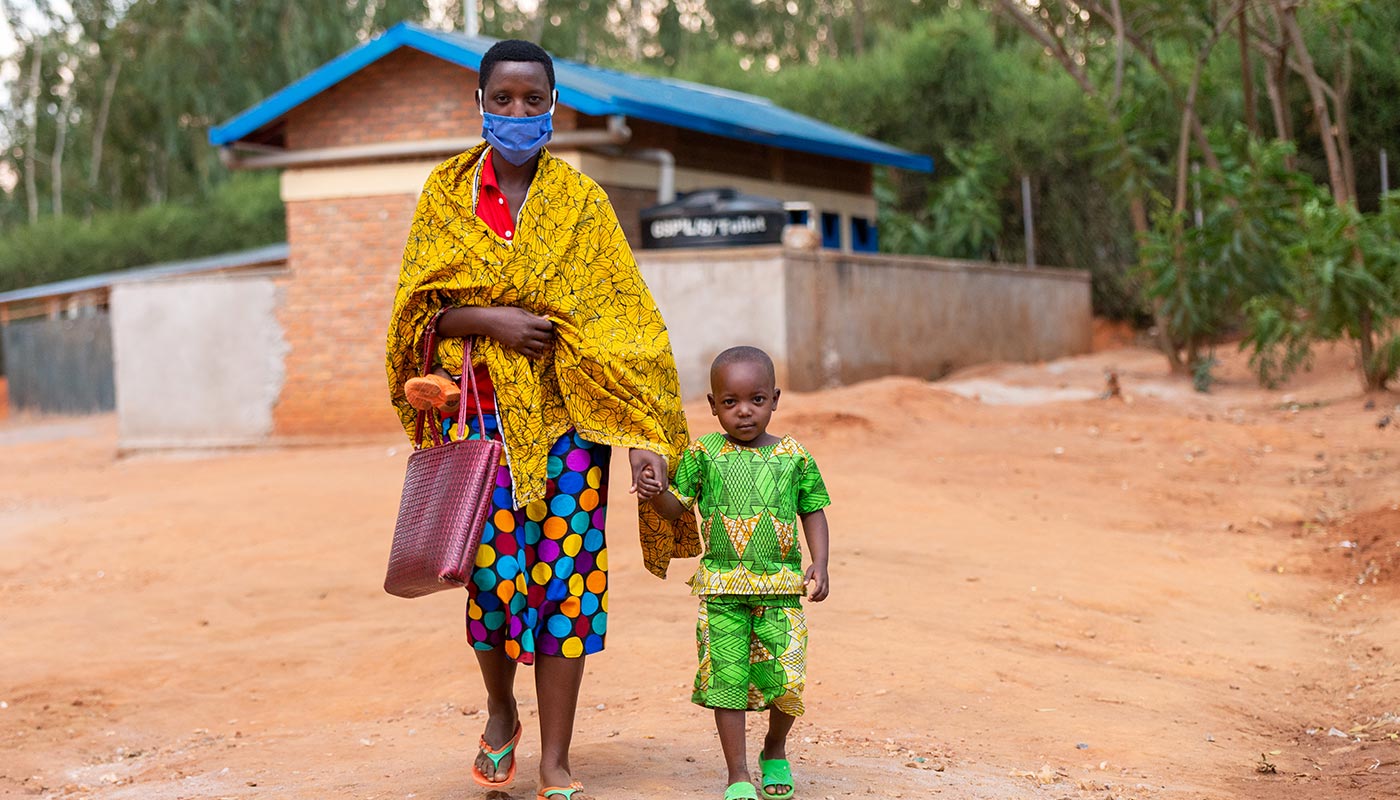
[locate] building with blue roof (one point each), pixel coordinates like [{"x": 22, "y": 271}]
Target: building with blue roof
[{"x": 355, "y": 139}]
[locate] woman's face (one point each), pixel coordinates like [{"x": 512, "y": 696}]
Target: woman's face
[{"x": 517, "y": 89}]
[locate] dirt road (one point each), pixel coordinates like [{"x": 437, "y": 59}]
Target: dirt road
[{"x": 1036, "y": 594}]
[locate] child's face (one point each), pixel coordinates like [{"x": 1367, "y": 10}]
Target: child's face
[{"x": 744, "y": 399}]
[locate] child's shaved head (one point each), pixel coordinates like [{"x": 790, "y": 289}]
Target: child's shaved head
[{"x": 743, "y": 355}]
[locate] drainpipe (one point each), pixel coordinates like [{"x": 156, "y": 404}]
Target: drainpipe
[
  {"x": 616, "y": 133},
  {"x": 666, "y": 181}
]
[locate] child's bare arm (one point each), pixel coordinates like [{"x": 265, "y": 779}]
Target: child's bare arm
[{"x": 818, "y": 543}]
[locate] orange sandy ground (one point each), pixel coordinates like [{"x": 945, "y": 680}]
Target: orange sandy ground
[{"x": 1067, "y": 597}]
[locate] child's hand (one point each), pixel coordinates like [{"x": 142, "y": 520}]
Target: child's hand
[
  {"x": 642, "y": 463},
  {"x": 648, "y": 485},
  {"x": 818, "y": 582}
]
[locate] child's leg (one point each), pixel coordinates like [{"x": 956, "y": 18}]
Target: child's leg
[
  {"x": 775, "y": 744},
  {"x": 722, "y": 683},
  {"x": 730, "y": 724},
  {"x": 779, "y": 725}
]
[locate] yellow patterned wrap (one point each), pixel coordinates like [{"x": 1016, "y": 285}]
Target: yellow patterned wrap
[{"x": 609, "y": 374}]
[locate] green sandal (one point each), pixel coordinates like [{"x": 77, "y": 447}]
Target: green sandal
[
  {"x": 743, "y": 790},
  {"x": 776, "y": 772}
]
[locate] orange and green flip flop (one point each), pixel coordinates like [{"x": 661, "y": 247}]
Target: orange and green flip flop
[
  {"x": 496, "y": 755},
  {"x": 560, "y": 792}
]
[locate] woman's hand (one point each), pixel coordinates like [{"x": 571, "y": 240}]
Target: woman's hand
[
  {"x": 528, "y": 334},
  {"x": 515, "y": 328}
]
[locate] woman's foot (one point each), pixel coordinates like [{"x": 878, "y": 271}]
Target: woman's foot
[
  {"x": 558, "y": 784},
  {"x": 432, "y": 391},
  {"x": 572, "y": 791},
  {"x": 495, "y": 757}
]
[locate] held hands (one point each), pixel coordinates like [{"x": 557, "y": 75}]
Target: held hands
[
  {"x": 648, "y": 474},
  {"x": 526, "y": 333},
  {"x": 818, "y": 583}
]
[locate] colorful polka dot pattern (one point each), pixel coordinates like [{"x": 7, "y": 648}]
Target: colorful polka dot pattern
[{"x": 540, "y": 586}]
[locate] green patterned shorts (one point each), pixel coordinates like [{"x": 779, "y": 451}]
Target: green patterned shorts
[{"x": 753, "y": 652}]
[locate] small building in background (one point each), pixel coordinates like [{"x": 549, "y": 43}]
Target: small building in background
[
  {"x": 293, "y": 350},
  {"x": 57, "y": 339},
  {"x": 356, "y": 139}
]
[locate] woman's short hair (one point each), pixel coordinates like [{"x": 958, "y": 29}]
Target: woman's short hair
[{"x": 515, "y": 50}]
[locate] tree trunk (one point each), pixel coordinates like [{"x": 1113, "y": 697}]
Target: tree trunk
[
  {"x": 31, "y": 185},
  {"x": 1120, "y": 54},
  {"x": 1251, "y": 120},
  {"x": 1276, "y": 86},
  {"x": 1339, "y": 103},
  {"x": 1371, "y": 371},
  {"x": 1190, "y": 124},
  {"x": 1287, "y": 19},
  {"x": 60, "y": 139},
  {"x": 99, "y": 131},
  {"x": 858, "y": 27}
]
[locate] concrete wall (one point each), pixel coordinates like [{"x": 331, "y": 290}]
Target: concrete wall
[
  {"x": 714, "y": 299},
  {"x": 852, "y": 318},
  {"x": 297, "y": 354},
  {"x": 830, "y": 319},
  {"x": 199, "y": 361}
]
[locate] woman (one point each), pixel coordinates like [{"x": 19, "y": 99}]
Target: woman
[{"x": 524, "y": 255}]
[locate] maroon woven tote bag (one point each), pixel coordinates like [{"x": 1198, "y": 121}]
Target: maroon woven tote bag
[{"x": 446, "y": 497}]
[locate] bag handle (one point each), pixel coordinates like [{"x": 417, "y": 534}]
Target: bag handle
[{"x": 467, "y": 381}]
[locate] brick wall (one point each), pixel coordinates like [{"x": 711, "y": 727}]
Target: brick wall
[
  {"x": 338, "y": 292},
  {"x": 628, "y": 203},
  {"x": 405, "y": 96}
]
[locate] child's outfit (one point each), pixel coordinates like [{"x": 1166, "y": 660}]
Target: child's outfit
[{"x": 752, "y": 633}]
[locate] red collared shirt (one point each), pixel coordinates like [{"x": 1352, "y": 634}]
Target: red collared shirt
[{"x": 492, "y": 207}]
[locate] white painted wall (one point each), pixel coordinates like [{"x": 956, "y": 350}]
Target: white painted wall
[
  {"x": 714, "y": 299},
  {"x": 198, "y": 361},
  {"x": 829, "y": 319}
]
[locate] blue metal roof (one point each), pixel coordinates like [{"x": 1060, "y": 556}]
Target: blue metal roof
[
  {"x": 271, "y": 254},
  {"x": 597, "y": 92}
]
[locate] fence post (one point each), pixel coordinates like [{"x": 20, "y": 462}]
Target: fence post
[
  {"x": 1028, "y": 217},
  {"x": 1385, "y": 173}
]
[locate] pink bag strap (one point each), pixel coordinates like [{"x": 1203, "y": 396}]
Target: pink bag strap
[{"x": 467, "y": 382}]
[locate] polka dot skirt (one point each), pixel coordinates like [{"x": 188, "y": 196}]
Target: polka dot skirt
[{"x": 540, "y": 586}]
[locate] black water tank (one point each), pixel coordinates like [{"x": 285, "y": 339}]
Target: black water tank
[{"x": 713, "y": 218}]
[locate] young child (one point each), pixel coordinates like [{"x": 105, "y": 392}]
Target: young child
[{"x": 751, "y": 487}]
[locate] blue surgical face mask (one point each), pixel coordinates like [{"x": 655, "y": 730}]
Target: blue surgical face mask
[{"x": 517, "y": 139}]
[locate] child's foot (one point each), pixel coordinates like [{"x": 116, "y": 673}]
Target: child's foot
[
  {"x": 777, "y": 777},
  {"x": 432, "y": 392}
]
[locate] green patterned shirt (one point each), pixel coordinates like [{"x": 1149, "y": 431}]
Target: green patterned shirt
[{"x": 749, "y": 500}]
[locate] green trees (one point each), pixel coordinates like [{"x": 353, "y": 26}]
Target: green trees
[
  {"x": 1212, "y": 162},
  {"x": 1262, "y": 227}
]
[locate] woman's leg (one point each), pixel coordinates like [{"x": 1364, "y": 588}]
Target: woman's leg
[
  {"x": 557, "y": 682},
  {"x": 498, "y": 672}
]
